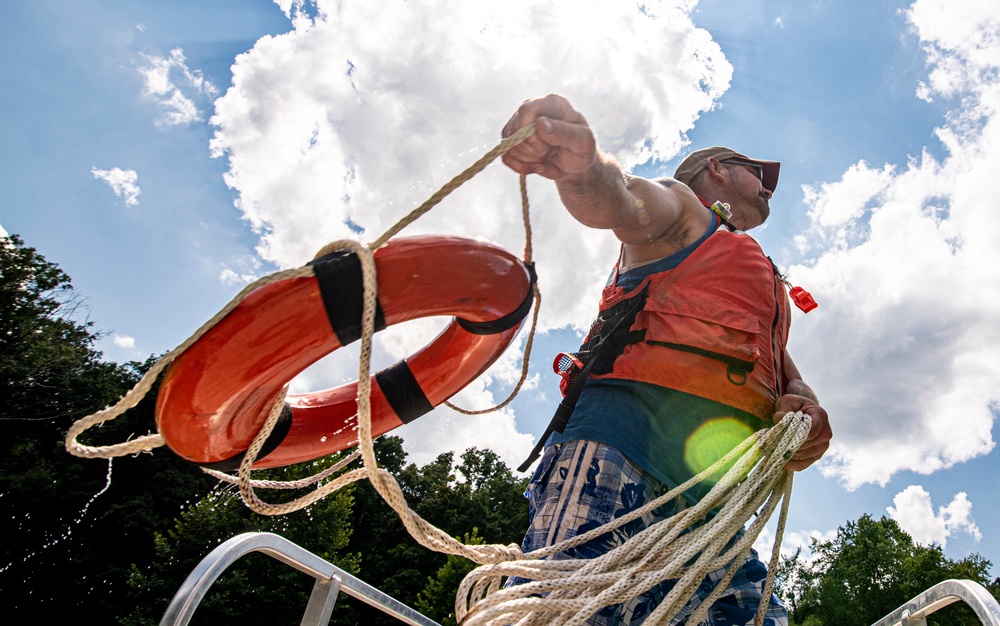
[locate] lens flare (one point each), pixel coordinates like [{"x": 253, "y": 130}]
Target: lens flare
[{"x": 712, "y": 441}]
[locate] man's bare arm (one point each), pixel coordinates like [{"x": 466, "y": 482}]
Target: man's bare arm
[
  {"x": 591, "y": 184},
  {"x": 793, "y": 381},
  {"x": 800, "y": 397}
]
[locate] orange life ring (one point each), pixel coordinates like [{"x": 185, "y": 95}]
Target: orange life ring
[{"x": 214, "y": 397}]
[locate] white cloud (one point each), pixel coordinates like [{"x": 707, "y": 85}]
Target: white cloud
[
  {"x": 790, "y": 542},
  {"x": 962, "y": 46},
  {"x": 914, "y": 514},
  {"x": 444, "y": 429},
  {"x": 241, "y": 270},
  {"x": 358, "y": 114},
  {"x": 229, "y": 277},
  {"x": 124, "y": 341},
  {"x": 902, "y": 350},
  {"x": 126, "y": 345},
  {"x": 176, "y": 87},
  {"x": 125, "y": 183}
]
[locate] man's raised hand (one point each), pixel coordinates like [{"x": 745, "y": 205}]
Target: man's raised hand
[{"x": 563, "y": 144}]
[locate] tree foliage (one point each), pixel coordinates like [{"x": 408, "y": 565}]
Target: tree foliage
[
  {"x": 258, "y": 588},
  {"x": 438, "y": 596},
  {"x": 72, "y": 528},
  {"x": 870, "y": 569},
  {"x": 48, "y": 367},
  {"x": 354, "y": 529},
  {"x": 478, "y": 497}
]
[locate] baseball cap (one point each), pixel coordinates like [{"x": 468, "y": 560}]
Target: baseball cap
[{"x": 694, "y": 163}]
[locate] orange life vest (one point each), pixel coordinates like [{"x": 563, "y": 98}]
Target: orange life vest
[{"x": 715, "y": 326}]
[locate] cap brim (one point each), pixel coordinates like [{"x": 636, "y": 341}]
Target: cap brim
[{"x": 770, "y": 172}]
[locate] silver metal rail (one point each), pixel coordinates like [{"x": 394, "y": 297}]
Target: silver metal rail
[
  {"x": 330, "y": 580},
  {"x": 915, "y": 612}
]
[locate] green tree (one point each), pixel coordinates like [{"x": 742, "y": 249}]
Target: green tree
[
  {"x": 71, "y": 527},
  {"x": 256, "y": 589},
  {"x": 48, "y": 368},
  {"x": 870, "y": 569},
  {"x": 437, "y": 599},
  {"x": 479, "y": 497},
  {"x": 353, "y": 528}
]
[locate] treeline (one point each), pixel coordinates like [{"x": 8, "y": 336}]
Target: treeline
[
  {"x": 871, "y": 568},
  {"x": 112, "y": 541}
]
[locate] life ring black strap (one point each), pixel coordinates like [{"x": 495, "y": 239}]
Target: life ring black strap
[
  {"x": 400, "y": 388},
  {"x": 510, "y": 320},
  {"x": 340, "y": 285},
  {"x": 342, "y": 289},
  {"x": 274, "y": 440}
]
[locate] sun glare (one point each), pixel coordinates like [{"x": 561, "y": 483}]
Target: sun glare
[
  {"x": 579, "y": 32},
  {"x": 712, "y": 441}
]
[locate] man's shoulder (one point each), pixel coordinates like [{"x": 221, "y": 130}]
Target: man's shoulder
[
  {"x": 667, "y": 181},
  {"x": 690, "y": 201}
]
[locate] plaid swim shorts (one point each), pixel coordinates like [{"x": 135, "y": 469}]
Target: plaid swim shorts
[{"x": 580, "y": 485}]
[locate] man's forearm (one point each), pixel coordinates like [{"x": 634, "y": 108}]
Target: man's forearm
[
  {"x": 798, "y": 387},
  {"x": 597, "y": 197}
]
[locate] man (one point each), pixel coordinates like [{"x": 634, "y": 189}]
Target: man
[{"x": 691, "y": 336}]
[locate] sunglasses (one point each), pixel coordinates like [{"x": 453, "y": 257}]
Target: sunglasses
[{"x": 757, "y": 168}]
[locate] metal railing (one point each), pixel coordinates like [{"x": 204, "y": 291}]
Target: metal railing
[
  {"x": 330, "y": 580},
  {"x": 915, "y": 612}
]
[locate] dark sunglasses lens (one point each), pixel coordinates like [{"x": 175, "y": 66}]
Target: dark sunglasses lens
[{"x": 757, "y": 168}]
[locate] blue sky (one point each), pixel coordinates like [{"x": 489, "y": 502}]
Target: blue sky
[{"x": 164, "y": 154}]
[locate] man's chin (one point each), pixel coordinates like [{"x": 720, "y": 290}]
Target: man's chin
[{"x": 764, "y": 209}]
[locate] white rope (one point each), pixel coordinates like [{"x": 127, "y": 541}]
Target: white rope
[
  {"x": 137, "y": 393},
  {"x": 570, "y": 590},
  {"x": 526, "y": 356},
  {"x": 287, "y": 484},
  {"x": 562, "y": 591}
]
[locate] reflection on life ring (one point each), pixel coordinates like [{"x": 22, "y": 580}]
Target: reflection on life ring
[{"x": 215, "y": 396}]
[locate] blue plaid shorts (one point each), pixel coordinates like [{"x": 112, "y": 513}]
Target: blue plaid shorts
[{"x": 580, "y": 485}]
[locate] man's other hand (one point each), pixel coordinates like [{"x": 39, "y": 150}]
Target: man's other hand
[{"x": 816, "y": 445}]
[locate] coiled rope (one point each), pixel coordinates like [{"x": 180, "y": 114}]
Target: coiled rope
[
  {"x": 564, "y": 591},
  {"x": 569, "y": 591}
]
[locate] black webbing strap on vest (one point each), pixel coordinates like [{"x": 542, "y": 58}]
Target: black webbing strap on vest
[{"x": 565, "y": 409}]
